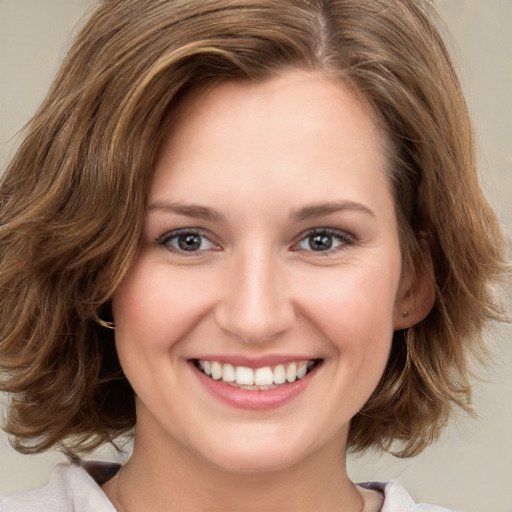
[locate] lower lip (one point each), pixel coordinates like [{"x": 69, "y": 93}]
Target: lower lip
[{"x": 255, "y": 399}]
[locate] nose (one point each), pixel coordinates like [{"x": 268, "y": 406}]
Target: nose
[{"x": 255, "y": 305}]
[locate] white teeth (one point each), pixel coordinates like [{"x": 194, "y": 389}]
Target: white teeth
[
  {"x": 216, "y": 370},
  {"x": 279, "y": 376},
  {"x": 262, "y": 379},
  {"x": 228, "y": 373},
  {"x": 206, "y": 366},
  {"x": 291, "y": 372},
  {"x": 263, "y": 376},
  {"x": 302, "y": 370},
  {"x": 244, "y": 376}
]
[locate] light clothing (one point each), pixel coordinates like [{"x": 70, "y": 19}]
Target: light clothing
[
  {"x": 71, "y": 488},
  {"x": 76, "y": 488},
  {"x": 397, "y": 499}
]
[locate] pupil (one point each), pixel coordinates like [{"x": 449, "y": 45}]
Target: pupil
[
  {"x": 320, "y": 242},
  {"x": 189, "y": 242}
]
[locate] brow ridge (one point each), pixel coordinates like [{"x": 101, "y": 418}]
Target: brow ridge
[
  {"x": 322, "y": 209},
  {"x": 308, "y": 212},
  {"x": 189, "y": 210}
]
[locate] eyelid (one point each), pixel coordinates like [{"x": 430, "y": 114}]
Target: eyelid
[
  {"x": 346, "y": 238},
  {"x": 343, "y": 236},
  {"x": 164, "y": 240}
]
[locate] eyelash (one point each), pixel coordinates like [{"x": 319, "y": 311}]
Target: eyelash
[
  {"x": 343, "y": 238},
  {"x": 165, "y": 241}
]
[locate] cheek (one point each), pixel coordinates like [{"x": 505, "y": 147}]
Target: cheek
[
  {"x": 154, "y": 308},
  {"x": 354, "y": 309}
]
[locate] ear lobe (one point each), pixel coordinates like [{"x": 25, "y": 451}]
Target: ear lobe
[{"x": 416, "y": 294}]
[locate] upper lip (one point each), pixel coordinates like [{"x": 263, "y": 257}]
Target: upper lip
[{"x": 255, "y": 362}]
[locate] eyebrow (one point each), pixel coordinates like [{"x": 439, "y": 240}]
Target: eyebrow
[
  {"x": 308, "y": 212},
  {"x": 189, "y": 210},
  {"x": 322, "y": 209}
]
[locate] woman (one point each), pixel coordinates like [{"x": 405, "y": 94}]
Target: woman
[{"x": 252, "y": 230}]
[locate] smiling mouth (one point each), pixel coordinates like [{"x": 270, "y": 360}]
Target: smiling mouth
[{"x": 256, "y": 379}]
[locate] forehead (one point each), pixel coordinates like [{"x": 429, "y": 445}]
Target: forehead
[
  {"x": 313, "y": 95},
  {"x": 276, "y": 134}
]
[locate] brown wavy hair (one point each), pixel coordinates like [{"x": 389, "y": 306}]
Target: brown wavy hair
[{"x": 72, "y": 201}]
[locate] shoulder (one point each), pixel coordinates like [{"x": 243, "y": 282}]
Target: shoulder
[
  {"x": 397, "y": 498},
  {"x": 72, "y": 488}
]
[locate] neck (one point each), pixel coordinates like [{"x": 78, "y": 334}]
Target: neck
[{"x": 175, "y": 479}]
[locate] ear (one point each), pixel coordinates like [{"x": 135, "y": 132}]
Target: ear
[{"x": 416, "y": 293}]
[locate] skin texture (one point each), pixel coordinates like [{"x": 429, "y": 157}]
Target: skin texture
[{"x": 260, "y": 155}]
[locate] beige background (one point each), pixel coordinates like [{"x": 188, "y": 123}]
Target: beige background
[{"x": 471, "y": 467}]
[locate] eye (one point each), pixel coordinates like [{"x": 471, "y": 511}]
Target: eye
[
  {"x": 325, "y": 240},
  {"x": 186, "y": 241}
]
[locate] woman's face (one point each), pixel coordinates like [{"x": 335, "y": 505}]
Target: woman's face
[{"x": 270, "y": 249}]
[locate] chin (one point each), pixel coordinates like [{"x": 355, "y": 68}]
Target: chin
[
  {"x": 255, "y": 463},
  {"x": 255, "y": 457}
]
